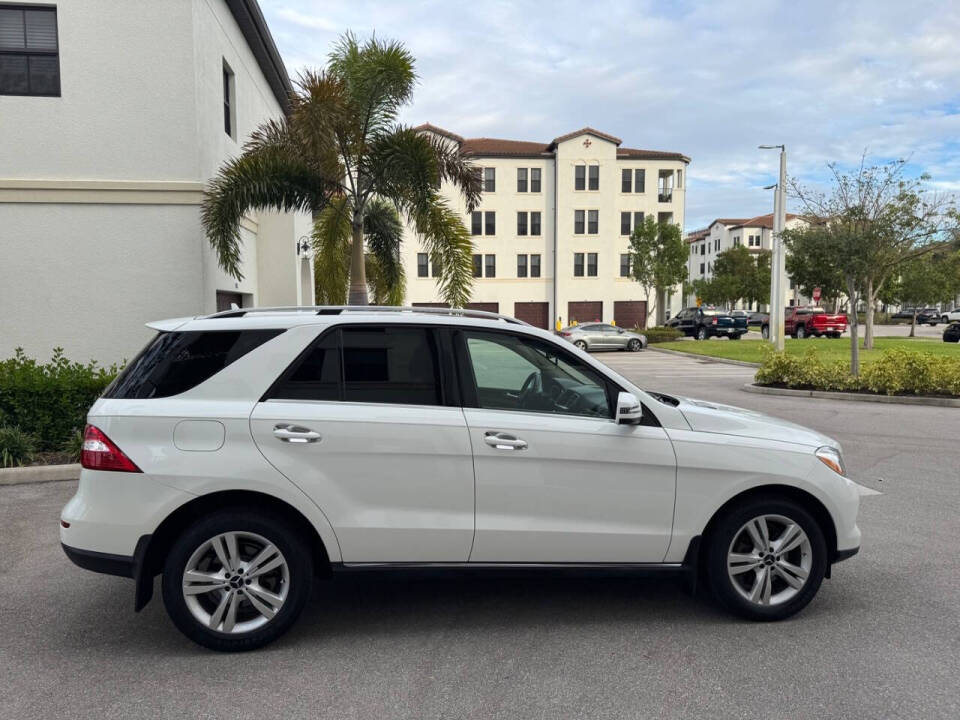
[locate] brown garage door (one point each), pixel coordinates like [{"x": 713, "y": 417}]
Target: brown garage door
[
  {"x": 584, "y": 311},
  {"x": 486, "y": 307},
  {"x": 535, "y": 313},
  {"x": 630, "y": 313},
  {"x": 443, "y": 305}
]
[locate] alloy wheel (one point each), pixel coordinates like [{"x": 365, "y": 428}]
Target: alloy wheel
[
  {"x": 235, "y": 582},
  {"x": 769, "y": 560}
]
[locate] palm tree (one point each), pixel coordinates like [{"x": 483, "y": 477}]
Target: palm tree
[{"x": 341, "y": 155}]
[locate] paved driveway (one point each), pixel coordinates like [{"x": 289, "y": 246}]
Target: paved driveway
[{"x": 881, "y": 640}]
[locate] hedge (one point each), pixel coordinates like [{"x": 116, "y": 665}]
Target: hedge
[
  {"x": 49, "y": 401},
  {"x": 895, "y": 372},
  {"x": 660, "y": 334}
]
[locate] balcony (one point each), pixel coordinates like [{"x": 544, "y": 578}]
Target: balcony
[{"x": 665, "y": 194}]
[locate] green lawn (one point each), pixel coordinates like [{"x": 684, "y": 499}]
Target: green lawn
[{"x": 827, "y": 348}]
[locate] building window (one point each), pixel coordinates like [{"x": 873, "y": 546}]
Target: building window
[
  {"x": 535, "y": 223},
  {"x": 535, "y": 180},
  {"x": 476, "y": 223},
  {"x": 29, "y": 53},
  {"x": 593, "y": 222},
  {"x": 701, "y": 268},
  {"x": 489, "y": 179},
  {"x": 626, "y": 180},
  {"x": 521, "y": 266},
  {"x": 679, "y": 179},
  {"x": 422, "y": 260},
  {"x": 578, "y": 216},
  {"x": 490, "y": 266},
  {"x": 637, "y": 220},
  {"x": 703, "y": 248},
  {"x": 736, "y": 241},
  {"x": 534, "y": 266},
  {"x": 639, "y": 181},
  {"x": 580, "y": 177},
  {"x": 229, "y": 102},
  {"x": 489, "y": 223},
  {"x": 521, "y": 179},
  {"x": 625, "y": 262},
  {"x": 716, "y": 244},
  {"x": 624, "y": 223},
  {"x": 594, "y": 178},
  {"x": 592, "y": 264},
  {"x": 478, "y": 266},
  {"x": 578, "y": 264},
  {"x": 521, "y": 223}
]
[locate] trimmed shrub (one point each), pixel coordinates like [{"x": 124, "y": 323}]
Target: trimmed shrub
[
  {"x": 50, "y": 401},
  {"x": 659, "y": 334},
  {"x": 16, "y": 447}
]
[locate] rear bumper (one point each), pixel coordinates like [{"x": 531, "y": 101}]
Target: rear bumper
[
  {"x": 845, "y": 554},
  {"x": 121, "y": 565}
]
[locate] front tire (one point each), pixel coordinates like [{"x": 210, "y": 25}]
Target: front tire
[
  {"x": 581, "y": 344},
  {"x": 237, "y": 580},
  {"x": 634, "y": 345},
  {"x": 766, "y": 558},
  {"x": 800, "y": 333},
  {"x": 765, "y": 332}
]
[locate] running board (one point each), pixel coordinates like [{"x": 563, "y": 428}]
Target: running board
[{"x": 506, "y": 566}]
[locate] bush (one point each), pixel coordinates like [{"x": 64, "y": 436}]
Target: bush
[
  {"x": 895, "y": 372},
  {"x": 660, "y": 334},
  {"x": 16, "y": 447},
  {"x": 50, "y": 401}
]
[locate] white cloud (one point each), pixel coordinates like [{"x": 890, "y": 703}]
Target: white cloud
[{"x": 712, "y": 79}]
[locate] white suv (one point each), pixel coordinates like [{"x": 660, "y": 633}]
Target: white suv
[{"x": 241, "y": 454}]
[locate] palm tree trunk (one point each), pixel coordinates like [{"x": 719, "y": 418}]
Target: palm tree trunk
[{"x": 358, "y": 271}]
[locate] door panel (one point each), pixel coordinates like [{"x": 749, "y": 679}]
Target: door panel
[{"x": 582, "y": 490}]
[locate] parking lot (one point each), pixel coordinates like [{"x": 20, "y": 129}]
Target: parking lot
[{"x": 882, "y": 639}]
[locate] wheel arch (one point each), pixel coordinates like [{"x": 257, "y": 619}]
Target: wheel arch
[{"x": 151, "y": 557}]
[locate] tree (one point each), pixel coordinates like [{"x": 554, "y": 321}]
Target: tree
[
  {"x": 815, "y": 267},
  {"x": 758, "y": 289},
  {"x": 873, "y": 220},
  {"x": 658, "y": 258},
  {"x": 926, "y": 280},
  {"x": 341, "y": 155}
]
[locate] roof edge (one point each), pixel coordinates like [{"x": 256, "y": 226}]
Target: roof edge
[{"x": 254, "y": 28}]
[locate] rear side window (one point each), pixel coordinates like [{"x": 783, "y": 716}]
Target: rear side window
[
  {"x": 174, "y": 362},
  {"x": 370, "y": 364}
]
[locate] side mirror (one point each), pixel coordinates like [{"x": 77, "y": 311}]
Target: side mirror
[{"x": 629, "y": 409}]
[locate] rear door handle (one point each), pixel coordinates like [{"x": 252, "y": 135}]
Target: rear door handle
[
  {"x": 295, "y": 433},
  {"x": 503, "y": 441}
]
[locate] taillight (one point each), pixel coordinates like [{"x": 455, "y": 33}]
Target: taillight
[
  {"x": 714, "y": 321},
  {"x": 100, "y": 453},
  {"x": 565, "y": 334}
]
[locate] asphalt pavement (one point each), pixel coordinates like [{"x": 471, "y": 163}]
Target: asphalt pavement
[{"x": 881, "y": 640}]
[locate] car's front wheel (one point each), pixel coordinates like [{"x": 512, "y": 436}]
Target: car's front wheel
[
  {"x": 237, "y": 580},
  {"x": 634, "y": 345},
  {"x": 766, "y": 558},
  {"x": 800, "y": 333},
  {"x": 581, "y": 344}
]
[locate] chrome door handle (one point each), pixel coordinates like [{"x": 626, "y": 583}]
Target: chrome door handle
[
  {"x": 295, "y": 433},
  {"x": 503, "y": 441}
]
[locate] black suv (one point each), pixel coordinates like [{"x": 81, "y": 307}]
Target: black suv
[{"x": 702, "y": 323}]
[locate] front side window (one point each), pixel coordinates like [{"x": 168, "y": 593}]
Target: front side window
[
  {"x": 489, "y": 179},
  {"x": 535, "y": 223},
  {"x": 534, "y": 266},
  {"x": 422, "y": 265},
  {"x": 578, "y": 264},
  {"x": 521, "y": 223},
  {"x": 593, "y": 221},
  {"x": 511, "y": 372},
  {"x": 521, "y": 266},
  {"x": 580, "y": 177},
  {"x": 594, "y": 178},
  {"x": 521, "y": 179},
  {"x": 490, "y": 222},
  {"x": 29, "y": 51},
  {"x": 535, "y": 180}
]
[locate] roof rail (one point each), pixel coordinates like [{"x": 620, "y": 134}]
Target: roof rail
[{"x": 337, "y": 309}]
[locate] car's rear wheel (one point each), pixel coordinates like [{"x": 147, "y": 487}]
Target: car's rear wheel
[
  {"x": 766, "y": 558},
  {"x": 581, "y": 344},
  {"x": 237, "y": 580},
  {"x": 634, "y": 345},
  {"x": 800, "y": 333},
  {"x": 735, "y": 336}
]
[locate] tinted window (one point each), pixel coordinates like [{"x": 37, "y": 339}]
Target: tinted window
[
  {"x": 175, "y": 362},
  {"x": 316, "y": 375},
  {"x": 390, "y": 365}
]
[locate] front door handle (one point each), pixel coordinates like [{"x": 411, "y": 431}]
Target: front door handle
[
  {"x": 295, "y": 433},
  {"x": 503, "y": 440}
]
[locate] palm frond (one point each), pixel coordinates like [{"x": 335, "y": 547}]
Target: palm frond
[
  {"x": 454, "y": 167},
  {"x": 384, "y": 233},
  {"x": 331, "y": 253},
  {"x": 448, "y": 241}
]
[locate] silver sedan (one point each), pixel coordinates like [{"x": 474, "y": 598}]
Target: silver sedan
[{"x": 603, "y": 336}]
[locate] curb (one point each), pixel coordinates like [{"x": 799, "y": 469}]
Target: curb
[
  {"x": 709, "y": 358},
  {"x": 38, "y": 474},
  {"x": 855, "y": 397}
]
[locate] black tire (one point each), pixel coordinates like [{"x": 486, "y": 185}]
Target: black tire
[
  {"x": 800, "y": 333},
  {"x": 735, "y": 336},
  {"x": 581, "y": 344},
  {"x": 765, "y": 332},
  {"x": 634, "y": 345},
  {"x": 701, "y": 333},
  {"x": 294, "y": 548},
  {"x": 833, "y": 335},
  {"x": 722, "y": 536}
]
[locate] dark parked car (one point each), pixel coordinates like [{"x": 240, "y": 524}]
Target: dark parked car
[
  {"x": 925, "y": 316},
  {"x": 757, "y": 319},
  {"x": 702, "y": 323},
  {"x": 952, "y": 332}
]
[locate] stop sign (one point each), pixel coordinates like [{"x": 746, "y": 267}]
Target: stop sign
[{"x": 816, "y": 294}]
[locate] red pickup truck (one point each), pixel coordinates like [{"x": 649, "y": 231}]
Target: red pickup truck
[{"x": 801, "y": 322}]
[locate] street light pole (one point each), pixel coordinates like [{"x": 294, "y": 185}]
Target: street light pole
[{"x": 777, "y": 257}]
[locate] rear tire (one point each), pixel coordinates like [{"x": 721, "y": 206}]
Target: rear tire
[
  {"x": 249, "y": 603},
  {"x": 765, "y": 332},
  {"x": 772, "y": 584},
  {"x": 736, "y": 336},
  {"x": 581, "y": 344},
  {"x": 800, "y": 333}
]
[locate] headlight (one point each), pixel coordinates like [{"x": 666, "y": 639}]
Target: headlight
[{"x": 832, "y": 459}]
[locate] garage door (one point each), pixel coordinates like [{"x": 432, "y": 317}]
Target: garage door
[
  {"x": 584, "y": 311},
  {"x": 535, "y": 313},
  {"x": 486, "y": 307},
  {"x": 630, "y": 313},
  {"x": 443, "y": 305}
]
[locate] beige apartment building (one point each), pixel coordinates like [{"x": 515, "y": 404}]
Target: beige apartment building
[{"x": 551, "y": 233}]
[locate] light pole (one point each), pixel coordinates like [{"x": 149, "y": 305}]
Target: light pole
[{"x": 777, "y": 256}]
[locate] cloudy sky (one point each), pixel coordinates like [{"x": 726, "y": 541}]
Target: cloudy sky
[{"x": 710, "y": 79}]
